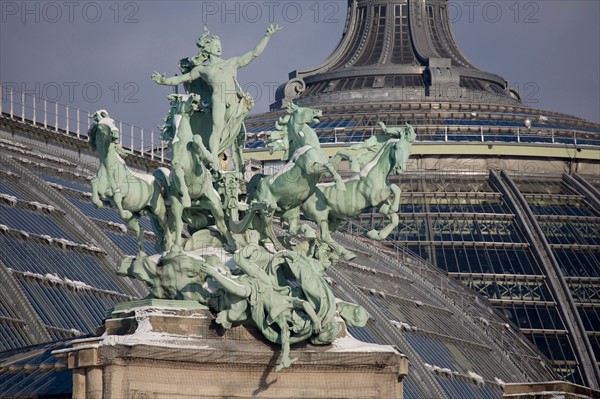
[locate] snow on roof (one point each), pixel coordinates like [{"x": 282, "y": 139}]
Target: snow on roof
[{"x": 351, "y": 344}]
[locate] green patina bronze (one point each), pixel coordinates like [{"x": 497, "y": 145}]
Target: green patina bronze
[
  {"x": 239, "y": 268},
  {"x": 329, "y": 207},
  {"x": 215, "y": 80},
  {"x": 132, "y": 194},
  {"x": 283, "y": 193},
  {"x": 190, "y": 181}
]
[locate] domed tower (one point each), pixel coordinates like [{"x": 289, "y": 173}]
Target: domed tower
[{"x": 401, "y": 50}]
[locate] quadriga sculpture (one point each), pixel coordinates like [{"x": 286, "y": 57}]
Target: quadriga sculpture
[
  {"x": 131, "y": 193},
  {"x": 283, "y": 293}
]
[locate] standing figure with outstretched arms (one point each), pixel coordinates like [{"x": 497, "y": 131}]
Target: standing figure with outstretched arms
[{"x": 228, "y": 104}]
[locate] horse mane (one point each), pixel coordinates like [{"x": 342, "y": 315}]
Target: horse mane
[
  {"x": 373, "y": 162},
  {"x": 168, "y": 128},
  {"x": 92, "y": 136},
  {"x": 93, "y": 132},
  {"x": 279, "y": 139}
]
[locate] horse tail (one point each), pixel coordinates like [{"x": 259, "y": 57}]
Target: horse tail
[{"x": 242, "y": 225}]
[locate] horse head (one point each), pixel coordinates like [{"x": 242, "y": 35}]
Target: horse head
[
  {"x": 398, "y": 164},
  {"x": 109, "y": 135},
  {"x": 402, "y": 149},
  {"x": 299, "y": 131},
  {"x": 181, "y": 104},
  {"x": 303, "y": 116},
  {"x": 409, "y": 134},
  {"x": 99, "y": 115}
]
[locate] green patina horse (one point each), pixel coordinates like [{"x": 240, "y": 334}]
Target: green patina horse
[
  {"x": 285, "y": 191},
  {"x": 131, "y": 193},
  {"x": 190, "y": 182},
  {"x": 328, "y": 206}
]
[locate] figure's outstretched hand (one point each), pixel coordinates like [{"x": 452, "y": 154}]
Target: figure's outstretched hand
[
  {"x": 383, "y": 126},
  {"x": 158, "y": 78},
  {"x": 285, "y": 363},
  {"x": 273, "y": 28}
]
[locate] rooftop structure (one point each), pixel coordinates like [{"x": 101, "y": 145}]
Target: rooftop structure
[{"x": 395, "y": 51}]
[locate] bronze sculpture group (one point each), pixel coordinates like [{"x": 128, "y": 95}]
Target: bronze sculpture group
[{"x": 270, "y": 282}]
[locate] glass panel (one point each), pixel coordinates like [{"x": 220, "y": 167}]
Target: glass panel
[
  {"x": 74, "y": 264},
  {"x": 34, "y": 222}
]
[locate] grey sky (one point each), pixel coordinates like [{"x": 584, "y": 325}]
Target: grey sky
[{"x": 548, "y": 49}]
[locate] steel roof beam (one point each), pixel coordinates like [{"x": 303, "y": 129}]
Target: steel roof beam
[{"x": 543, "y": 253}]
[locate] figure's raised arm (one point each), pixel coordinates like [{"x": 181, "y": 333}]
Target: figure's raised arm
[
  {"x": 412, "y": 135},
  {"x": 161, "y": 79},
  {"x": 245, "y": 59}
]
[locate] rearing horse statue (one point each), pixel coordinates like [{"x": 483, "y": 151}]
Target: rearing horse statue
[
  {"x": 191, "y": 184},
  {"x": 131, "y": 193},
  {"x": 285, "y": 191},
  {"x": 328, "y": 206}
]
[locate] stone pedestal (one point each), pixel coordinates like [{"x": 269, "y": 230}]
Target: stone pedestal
[{"x": 176, "y": 350}]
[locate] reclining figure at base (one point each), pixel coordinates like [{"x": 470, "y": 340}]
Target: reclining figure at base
[{"x": 285, "y": 315}]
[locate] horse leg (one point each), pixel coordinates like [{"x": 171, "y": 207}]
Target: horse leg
[
  {"x": 354, "y": 164},
  {"x": 339, "y": 183},
  {"x": 202, "y": 151},
  {"x": 390, "y": 210},
  {"x": 293, "y": 218},
  {"x": 319, "y": 212},
  {"x": 396, "y": 203},
  {"x": 134, "y": 224},
  {"x": 118, "y": 201},
  {"x": 177, "y": 222},
  {"x": 294, "y": 226},
  {"x": 325, "y": 236},
  {"x": 337, "y": 158},
  {"x": 180, "y": 186},
  {"x": 215, "y": 207},
  {"x": 159, "y": 221},
  {"x": 96, "y": 184}
]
